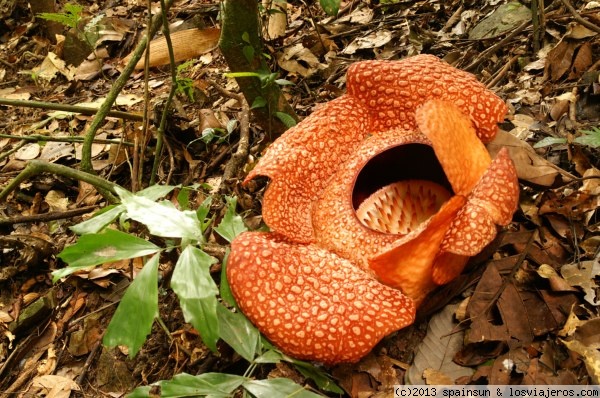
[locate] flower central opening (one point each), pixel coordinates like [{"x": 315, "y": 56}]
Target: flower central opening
[{"x": 400, "y": 188}]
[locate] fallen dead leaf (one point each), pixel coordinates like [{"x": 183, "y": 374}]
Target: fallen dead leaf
[
  {"x": 530, "y": 166},
  {"x": 582, "y": 275}
]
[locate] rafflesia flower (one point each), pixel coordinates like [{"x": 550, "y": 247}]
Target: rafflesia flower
[{"x": 375, "y": 199}]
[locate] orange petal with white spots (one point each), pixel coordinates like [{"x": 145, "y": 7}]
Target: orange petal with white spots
[
  {"x": 461, "y": 153},
  {"x": 311, "y": 303},
  {"x": 301, "y": 161},
  {"x": 408, "y": 264},
  {"x": 493, "y": 201},
  {"x": 336, "y": 225},
  {"x": 393, "y": 90}
]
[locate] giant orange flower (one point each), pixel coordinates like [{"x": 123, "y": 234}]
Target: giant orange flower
[{"x": 375, "y": 199}]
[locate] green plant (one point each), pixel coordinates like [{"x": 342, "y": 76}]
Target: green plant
[
  {"x": 72, "y": 18},
  {"x": 266, "y": 80},
  {"x": 184, "y": 231},
  {"x": 185, "y": 85},
  {"x": 590, "y": 138}
]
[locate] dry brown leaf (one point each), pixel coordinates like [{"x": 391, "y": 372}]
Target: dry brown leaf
[
  {"x": 559, "y": 58},
  {"x": 277, "y": 18},
  {"x": 187, "y": 44},
  {"x": 582, "y": 275},
  {"x": 582, "y": 62},
  {"x": 530, "y": 166},
  {"x": 591, "y": 358},
  {"x": 437, "y": 350}
]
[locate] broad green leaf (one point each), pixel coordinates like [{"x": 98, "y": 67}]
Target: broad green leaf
[
  {"x": 99, "y": 221},
  {"x": 277, "y": 388},
  {"x": 259, "y": 102},
  {"x": 331, "y": 7},
  {"x": 108, "y": 246},
  {"x": 162, "y": 219},
  {"x": 286, "y": 119},
  {"x": 197, "y": 291},
  {"x": 590, "y": 138},
  {"x": 224, "y": 289},
  {"x": 319, "y": 376},
  {"x": 107, "y": 215},
  {"x": 547, "y": 141},
  {"x": 209, "y": 384},
  {"x": 232, "y": 224},
  {"x": 270, "y": 356},
  {"x": 132, "y": 321},
  {"x": 140, "y": 392},
  {"x": 155, "y": 192},
  {"x": 237, "y": 331}
]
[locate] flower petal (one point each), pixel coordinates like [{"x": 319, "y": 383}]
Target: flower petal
[
  {"x": 407, "y": 265},
  {"x": 337, "y": 227},
  {"x": 461, "y": 153},
  {"x": 493, "y": 201},
  {"x": 311, "y": 303},
  {"x": 301, "y": 161},
  {"x": 448, "y": 266},
  {"x": 393, "y": 90}
]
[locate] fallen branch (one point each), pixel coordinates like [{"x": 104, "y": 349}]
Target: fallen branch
[
  {"x": 579, "y": 18},
  {"x": 84, "y": 110},
  {"x": 35, "y": 167}
]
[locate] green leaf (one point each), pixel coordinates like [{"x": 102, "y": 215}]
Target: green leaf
[
  {"x": 140, "y": 392},
  {"x": 248, "y": 52},
  {"x": 284, "y": 82},
  {"x": 99, "y": 221},
  {"x": 107, "y": 246},
  {"x": 132, "y": 321},
  {"x": 197, "y": 291},
  {"x": 232, "y": 224},
  {"x": 224, "y": 289},
  {"x": 259, "y": 102},
  {"x": 162, "y": 219},
  {"x": 319, "y": 376},
  {"x": 549, "y": 141},
  {"x": 270, "y": 356},
  {"x": 331, "y": 7},
  {"x": 155, "y": 192},
  {"x": 286, "y": 119},
  {"x": 105, "y": 216},
  {"x": 237, "y": 331},
  {"x": 209, "y": 384},
  {"x": 202, "y": 213},
  {"x": 277, "y": 388},
  {"x": 590, "y": 138}
]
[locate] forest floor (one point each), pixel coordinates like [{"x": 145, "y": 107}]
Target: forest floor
[{"x": 542, "y": 324}]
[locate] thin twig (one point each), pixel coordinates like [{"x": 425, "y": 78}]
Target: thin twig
[
  {"x": 160, "y": 134},
  {"x": 84, "y": 110},
  {"x": 39, "y": 137},
  {"x": 579, "y": 18},
  {"x": 86, "y": 152},
  {"x": 497, "y": 46},
  {"x": 35, "y": 167},
  {"x": 45, "y": 217}
]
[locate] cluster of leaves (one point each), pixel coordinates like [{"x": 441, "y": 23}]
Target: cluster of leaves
[
  {"x": 590, "y": 138},
  {"x": 191, "y": 280},
  {"x": 184, "y": 84},
  {"x": 72, "y": 18}
]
